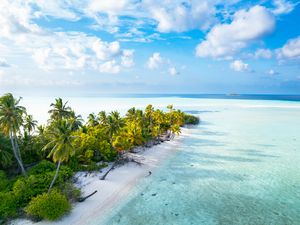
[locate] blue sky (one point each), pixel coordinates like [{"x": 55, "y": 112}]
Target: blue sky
[{"x": 91, "y": 47}]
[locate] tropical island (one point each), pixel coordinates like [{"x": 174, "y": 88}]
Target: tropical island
[{"x": 38, "y": 162}]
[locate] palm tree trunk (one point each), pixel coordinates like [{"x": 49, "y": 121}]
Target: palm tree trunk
[
  {"x": 17, "y": 148},
  {"x": 55, "y": 176},
  {"x": 110, "y": 169},
  {"x": 17, "y": 153}
]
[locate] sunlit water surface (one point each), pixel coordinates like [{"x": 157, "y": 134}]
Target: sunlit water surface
[{"x": 241, "y": 165}]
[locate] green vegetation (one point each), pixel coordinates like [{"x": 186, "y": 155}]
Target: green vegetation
[
  {"x": 191, "y": 120},
  {"x": 38, "y": 162},
  {"x": 49, "y": 206}
]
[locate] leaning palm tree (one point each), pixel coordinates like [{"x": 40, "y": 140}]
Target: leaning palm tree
[
  {"x": 11, "y": 119},
  {"x": 60, "y": 144},
  {"x": 59, "y": 110}
]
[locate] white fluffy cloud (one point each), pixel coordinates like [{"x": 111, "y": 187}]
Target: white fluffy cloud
[
  {"x": 282, "y": 7},
  {"x": 109, "y": 67},
  {"x": 111, "y": 7},
  {"x": 104, "y": 50},
  {"x": 272, "y": 72},
  {"x": 57, "y": 49},
  {"x": 167, "y": 15},
  {"x": 76, "y": 51},
  {"x": 4, "y": 63},
  {"x": 263, "y": 53},
  {"x": 127, "y": 58},
  {"x": 239, "y": 66},
  {"x": 155, "y": 61},
  {"x": 173, "y": 71},
  {"x": 290, "y": 51},
  {"x": 224, "y": 40},
  {"x": 181, "y": 16}
]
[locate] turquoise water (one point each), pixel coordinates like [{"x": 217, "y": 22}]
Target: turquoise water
[{"x": 241, "y": 165}]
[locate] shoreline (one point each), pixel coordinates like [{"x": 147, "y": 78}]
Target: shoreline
[{"x": 115, "y": 188}]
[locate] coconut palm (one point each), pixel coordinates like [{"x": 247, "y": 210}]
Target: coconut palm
[
  {"x": 59, "y": 110},
  {"x": 134, "y": 114},
  {"x": 158, "y": 120},
  {"x": 102, "y": 118},
  {"x": 170, "y": 108},
  {"x": 92, "y": 120},
  {"x": 60, "y": 144},
  {"x": 149, "y": 120},
  {"x": 76, "y": 120},
  {"x": 114, "y": 123},
  {"x": 29, "y": 124},
  {"x": 11, "y": 119}
]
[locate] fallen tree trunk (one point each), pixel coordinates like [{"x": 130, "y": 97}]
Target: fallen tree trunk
[
  {"x": 107, "y": 172},
  {"x": 86, "y": 197},
  {"x": 123, "y": 159}
]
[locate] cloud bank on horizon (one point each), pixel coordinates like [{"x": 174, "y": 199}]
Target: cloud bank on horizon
[{"x": 150, "y": 45}]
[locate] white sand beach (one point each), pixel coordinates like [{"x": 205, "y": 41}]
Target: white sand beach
[{"x": 114, "y": 188}]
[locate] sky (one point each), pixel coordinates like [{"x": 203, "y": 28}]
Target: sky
[{"x": 91, "y": 47}]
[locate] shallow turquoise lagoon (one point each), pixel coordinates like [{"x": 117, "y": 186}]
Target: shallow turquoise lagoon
[{"x": 241, "y": 165}]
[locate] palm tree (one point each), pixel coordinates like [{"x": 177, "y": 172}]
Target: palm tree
[
  {"x": 60, "y": 144},
  {"x": 149, "y": 119},
  {"x": 29, "y": 124},
  {"x": 59, "y": 110},
  {"x": 102, "y": 117},
  {"x": 114, "y": 123},
  {"x": 76, "y": 120},
  {"x": 41, "y": 130},
  {"x": 11, "y": 119},
  {"x": 158, "y": 120},
  {"x": 170, "y": 108},
  {"x": 92, "y": 120}
]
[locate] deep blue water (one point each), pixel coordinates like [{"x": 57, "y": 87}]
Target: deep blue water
[{"x": 211, "y": 96}]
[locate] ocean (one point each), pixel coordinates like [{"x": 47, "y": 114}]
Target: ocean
[{"x": 240, "y": 165}]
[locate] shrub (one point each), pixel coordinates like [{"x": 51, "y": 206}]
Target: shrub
[
  {"x": 106, "y": 152},
  {"x": 3, "y": 181},
  {"x": 26, "y": 188},
  {"x": 8, "y": 205},
  {"x": 50, "y": 206},
  {"x": 191, "y": 120},
  {"x": 42, "y": 167}
]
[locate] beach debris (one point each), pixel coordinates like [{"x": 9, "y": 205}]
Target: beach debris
[
  {"x": 86, "y": 197},
  {"x": 149, "y": 174},
  {"x": 122, "y": 159},
  {"x": 154, "y": 194}
]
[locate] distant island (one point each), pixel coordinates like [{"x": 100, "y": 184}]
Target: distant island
[
  {"x": 232, "y": 94},
  {"x": 38, "y": 162}
]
